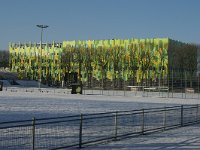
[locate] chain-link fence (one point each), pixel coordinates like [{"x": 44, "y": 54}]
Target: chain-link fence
[
  {"x": 36, "y": 90},
  {"x": 16, "y": 135},
  {"x": 80, "y": 130},
  {"x": 177, "y": 84}
]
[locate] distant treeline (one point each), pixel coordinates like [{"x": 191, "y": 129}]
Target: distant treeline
[{"x": 4, "y": 58}]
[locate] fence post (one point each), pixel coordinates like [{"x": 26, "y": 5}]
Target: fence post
[
  {"x": 168, "y": 77},
  {"x": 181, "y": 115},
  {"x": 80, "y": 131},
  {"x": 116, "y": 124},
  {"x": 124, "y": 88},
  {"x": 159, "y": 82},
  {"x": 182, "y": 89},
  {"x": 198, "y": 86},
  {"x": 164, "y": 118},
  {"x": 185, "y": 84},
  {"x": 197, "y": 111},
  {"x": 33, "y": 133},
  {"x": 172, "y": 83},
  {"x": 142, "y": 125}
]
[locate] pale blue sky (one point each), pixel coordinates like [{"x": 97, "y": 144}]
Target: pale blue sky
[{"x": 98, "y": 19}]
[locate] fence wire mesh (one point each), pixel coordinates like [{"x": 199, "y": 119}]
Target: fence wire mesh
[
  {"x": 80, "y": 130},
  {"x": 92, "y": 127},
  {"x": 57, "y": 133},
  {"x": 178, "y": 83},
  {"x": 128, "y": 123},
  {"x": 15, "y": 134}
]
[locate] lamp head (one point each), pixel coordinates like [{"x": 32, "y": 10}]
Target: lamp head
[{"x": 42, "y": 26}]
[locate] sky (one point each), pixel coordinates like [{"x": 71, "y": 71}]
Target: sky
[{"x": 98, "y": 19}]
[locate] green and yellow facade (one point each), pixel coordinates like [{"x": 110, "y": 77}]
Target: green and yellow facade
[
  {"x": 134, "y": 60},
  {"x": 25, "y": 60}
]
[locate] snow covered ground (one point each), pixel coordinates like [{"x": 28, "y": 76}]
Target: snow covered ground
[
  {"x": 25, "y": 105},
  {"x": 185, "y": 138},
  {"x": 20, "y": 105}
]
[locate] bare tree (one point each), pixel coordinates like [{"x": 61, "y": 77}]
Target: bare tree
[
  {"x": 102, "y": 56},
  {"x": 133, "y": 62}
]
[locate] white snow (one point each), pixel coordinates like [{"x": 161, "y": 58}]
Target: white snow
[
  {"x": 25, "y": 105},
  {"x": 185, "y": 138},
  {"x": 20, "y": 105}
]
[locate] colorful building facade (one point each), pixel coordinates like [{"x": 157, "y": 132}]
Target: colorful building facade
[
  {"x": 26, "y": 59},
  {"x": 135, "y": 60}
]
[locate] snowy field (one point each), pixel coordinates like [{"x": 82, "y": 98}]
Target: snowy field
[
  {"x": 185, "y": 138},
  {"x": 22, "y": 105},
  {"x": 25, "y": 105}
]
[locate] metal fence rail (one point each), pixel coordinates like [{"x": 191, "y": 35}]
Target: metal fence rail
[
  {"x": 41, "y": 90},
  {"x": 80, "y": 130}
]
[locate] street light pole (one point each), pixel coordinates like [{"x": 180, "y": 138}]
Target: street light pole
[{"x": 40, "y": 57}]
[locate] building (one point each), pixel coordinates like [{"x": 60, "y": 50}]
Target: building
[{"x": 131, "y": 61}]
